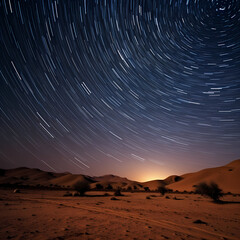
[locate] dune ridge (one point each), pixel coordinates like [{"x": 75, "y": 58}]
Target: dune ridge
[{"x": 227, "y": 177}]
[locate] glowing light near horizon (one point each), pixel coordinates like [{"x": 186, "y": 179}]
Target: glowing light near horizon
[{"x": 105, "y": 86}]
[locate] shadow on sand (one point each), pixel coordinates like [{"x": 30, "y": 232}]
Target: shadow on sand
[{"x": 227, "y": 202}]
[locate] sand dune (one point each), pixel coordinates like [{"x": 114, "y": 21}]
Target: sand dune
[
  {"x": 27, "y": 176},
  {"x": 108, "y": 181},
  {"x": 69, "y": 180},
  {"x": 154, "y": 184},
  {"x": 227, "y": 177},
  {"x": 110, "y": 178}
]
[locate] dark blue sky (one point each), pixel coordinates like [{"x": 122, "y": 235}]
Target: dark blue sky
[{"x": 142, "y": 89}]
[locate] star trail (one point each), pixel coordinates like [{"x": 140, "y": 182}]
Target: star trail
[{"x": 137, "y": 88}]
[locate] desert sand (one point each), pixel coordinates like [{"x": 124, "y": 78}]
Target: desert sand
[
  {"x": 227, "y": 177},
  {"x": 46, "y": 214},
  {"x": 41, "y": 211}
]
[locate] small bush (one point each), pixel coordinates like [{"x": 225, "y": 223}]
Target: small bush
[
  {"x": 109, "y": 187},
  {"x": 76, "y": 194},
  {"x": 118, "y": 193},
  {"x": 153, "y": 195},
  {"x": 162, "y": 190},
  {"x": 146, "y": 189},
  {"x": 148, "y": 197},
  {"x": 198, "y": 221},
  {"x": 211, "y": 190},
  {"x": 81, "y": 187},
  {"x": 113, "y": 198},
  {"x": 67, "y": 194},
  {"x": 99, "y": 186}
]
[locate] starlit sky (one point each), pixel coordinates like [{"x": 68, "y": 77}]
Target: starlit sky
[{"x": 137, "y": 88}]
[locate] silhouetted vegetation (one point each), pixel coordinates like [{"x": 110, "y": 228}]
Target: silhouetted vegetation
[
  {"x": 198, "y": 221},
  {"x": 67, "y": 194},
  {"x": 146, "y": 189},
  {"x": 118, "y": 192},
  {"x": 113, "y": 198},
  {"x": 177, "y": 178},
  {"x": 211, "y": 190},
  {"x": 109, "y": 187},
  {"x": 162, "y": 190},
  {"x": 81, "y": 187},
  {"x": 99, "y": 186}
]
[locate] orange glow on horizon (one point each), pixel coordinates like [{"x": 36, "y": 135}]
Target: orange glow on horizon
[
  {"x": 150, "y": 175},
  {"x": 150, "y": 178}
]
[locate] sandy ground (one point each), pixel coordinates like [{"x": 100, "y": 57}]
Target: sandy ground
[{"x": 35, "y": 214}]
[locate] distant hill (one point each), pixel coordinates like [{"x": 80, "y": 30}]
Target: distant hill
[
  {"x": 27, "y": 176},
  {"x": 227, "y": 177}
]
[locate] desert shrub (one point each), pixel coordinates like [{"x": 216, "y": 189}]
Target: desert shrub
[
  {"x": 99, "y": 186},
  {"x": 175, "y": 198},
  {"x": 153, "y": 195},
  {"x": 162, "y": 190},
  {"x": 113, "y": 198},
  {"x": 109, "y": 187},
  {"x": 118, "y": 192},
  {"x": 129, "y": 188},
  {"x": 148, "y": 197},
  {"x": 146, "y": 189},
  {"x": 211, "y": 190},
  {"x": 67, "y": 194},
  {"x": 177, "y": 178},
  {"x": 81, "y": 187},
  {"x": 198, "y": 221},
  {"x": 76, "y": 194}
]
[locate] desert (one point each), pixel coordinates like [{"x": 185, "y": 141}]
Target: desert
[
  {"x": 120, "y": 119},
  {"x": 47, "y": 212}
]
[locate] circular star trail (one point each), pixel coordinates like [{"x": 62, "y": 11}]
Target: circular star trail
[{"x": 122, "y": 87}]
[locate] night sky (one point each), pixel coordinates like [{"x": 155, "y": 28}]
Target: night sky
[{"x": 141, "y": 89}]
